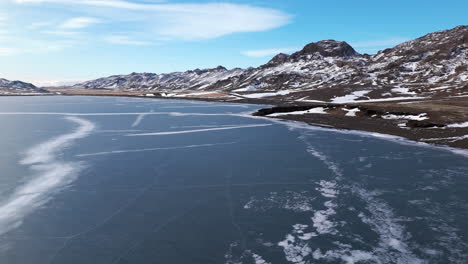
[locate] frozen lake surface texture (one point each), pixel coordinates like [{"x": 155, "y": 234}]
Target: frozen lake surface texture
[{"x": 127, "y": 180}]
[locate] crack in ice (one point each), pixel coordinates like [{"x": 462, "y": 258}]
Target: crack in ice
[{"x": 197, "y": 130}]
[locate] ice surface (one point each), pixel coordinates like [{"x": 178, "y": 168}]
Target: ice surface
[
  {"x": 50, "y": 174},
  {"x": 197, "y": 130},
  {"x": 123, "y": 151}
]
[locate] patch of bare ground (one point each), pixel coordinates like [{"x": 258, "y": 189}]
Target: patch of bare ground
[{"x": 425, "y": 121}]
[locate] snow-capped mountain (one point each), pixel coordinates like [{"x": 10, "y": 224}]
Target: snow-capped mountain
[
  {"x": 326, "y": 61},
  {"x": 327, "y": 69},
  {"x": 195, "y": 80},
  {"x": 16, "y": 87},
  {"x": 434, "y": 58}
]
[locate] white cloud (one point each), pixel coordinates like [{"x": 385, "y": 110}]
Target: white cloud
[
  {"x": 79, "y": 22},
  {"x": 268, "y": 52},
  {"x": 124, "y": 40},
  {"x": 205, "y": 21},
  {"x": 177, "y": 21},
  {"x": 104, "y": 3},
  {"x": 379, "y": 43}
]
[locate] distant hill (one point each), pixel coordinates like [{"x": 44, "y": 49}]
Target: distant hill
[{"x": 7, "y": 86}]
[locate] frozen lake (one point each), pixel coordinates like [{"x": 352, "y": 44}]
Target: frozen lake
[{"x": 127, "y": 180}]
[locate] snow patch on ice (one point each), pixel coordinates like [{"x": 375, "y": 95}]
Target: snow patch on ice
[
  {"x": 328, "y": 189},
  {"x": 321, "y": 219},
  {"x": 236, "y": 256},
  {"x": 393, "y": 245},
  {"x": 259, "y": 259},
  {"x": 346, "y": 255},
  {"x": 289, "y": 200},
  {"x": 295, "y": 250},
  {"x": 51, "y": 174},
  {"x": 330, "y": 164}
]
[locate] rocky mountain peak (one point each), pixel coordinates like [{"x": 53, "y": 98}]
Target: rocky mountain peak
[
  {"x": 328, "y": 48},
  {"x": 202, "y": 71},
  {"x": 220, "y": 68},
  {"x": 278, "y": 59}
]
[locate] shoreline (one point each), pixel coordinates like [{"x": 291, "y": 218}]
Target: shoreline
[{"x": 367, "y": 117}]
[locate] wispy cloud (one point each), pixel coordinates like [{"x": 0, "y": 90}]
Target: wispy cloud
[
  {"x": 205, "y": 21},
  {"x": 269, "y": 52},
  {"x": 177, "y": 21},
  {"x": 124, "y": 40},
  {"x": 79, "y": 22}
]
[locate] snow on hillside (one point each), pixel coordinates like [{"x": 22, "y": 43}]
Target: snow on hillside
[{"x": 414, "y": 69}]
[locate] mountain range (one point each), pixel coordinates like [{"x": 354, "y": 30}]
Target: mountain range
[{"x": 432, "y": 65}]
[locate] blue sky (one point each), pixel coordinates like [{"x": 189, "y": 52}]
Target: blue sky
[{"x": 55, "y": 41}]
